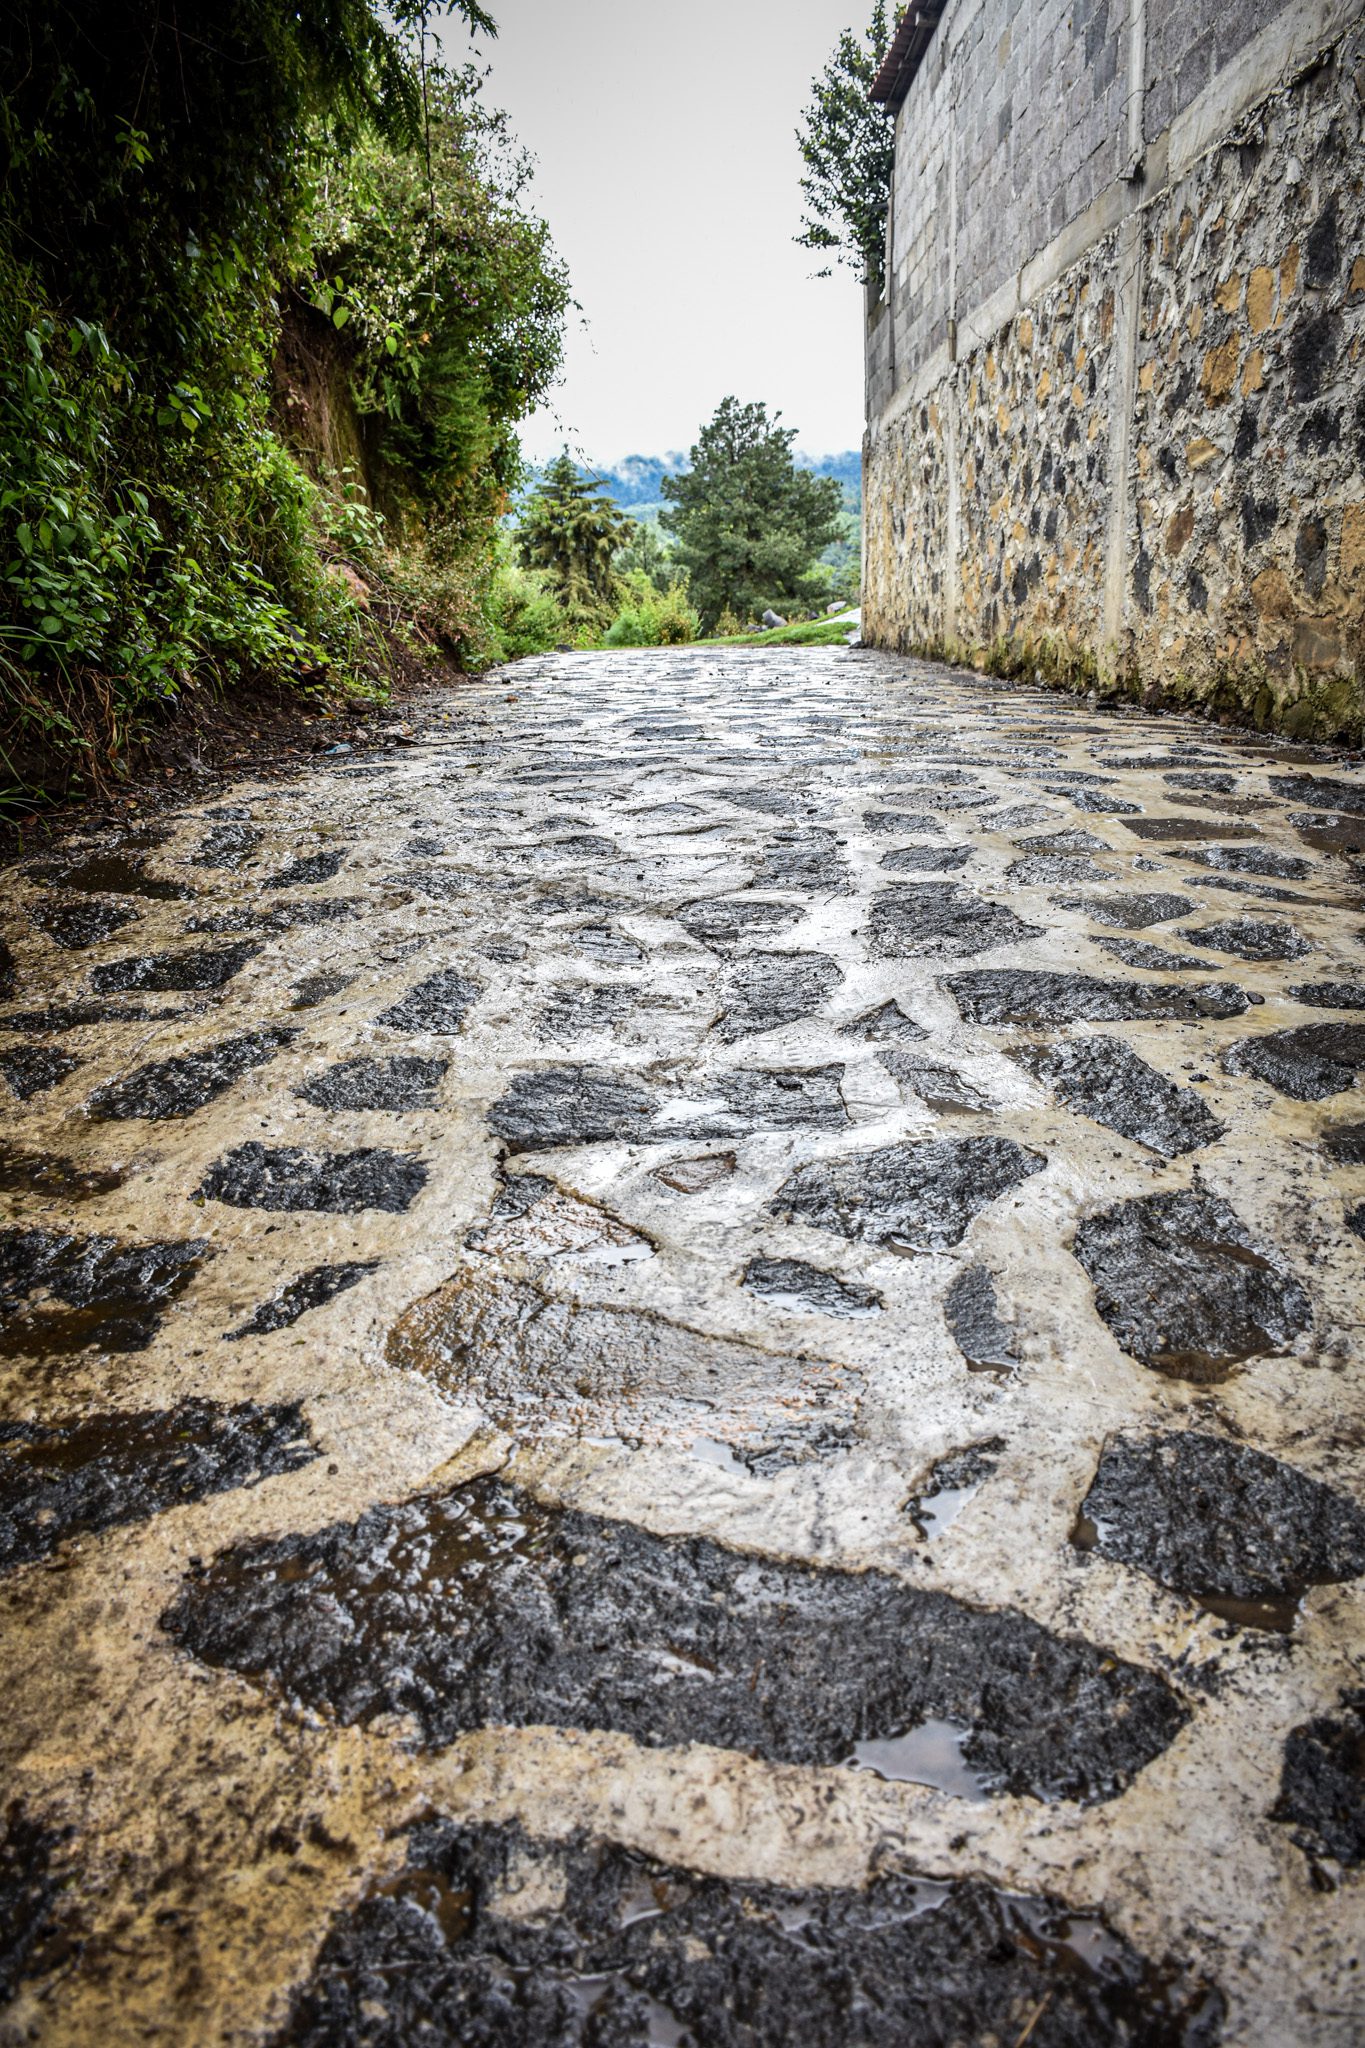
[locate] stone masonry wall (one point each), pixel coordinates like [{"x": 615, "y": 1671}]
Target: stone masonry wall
[{"x": 1146, "y": 467}]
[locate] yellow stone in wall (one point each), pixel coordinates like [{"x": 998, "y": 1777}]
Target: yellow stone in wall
[
  {"x": 1002, "y": 414},
  {"x": 1260, "y": 298},
  {"x": 1253, "y": 372},
  {"x": 1044, "y": 386},
  {"x": 1195, "y": 322},
  {"x": 1147, "y": 377},
  {"x": 1228, "y": 296},
  {"x": 1078, "y": 395},
  {"x": 1201, "y": 451},
  {"x": 1289, "y": 276},
  {"x": 1357, "y": 283},
  {"x": 1271, "y": 595},
  {"x": 1220, "y": 371},
  {"x": 1025, "y": 330},
  {"x": 1351, "y": 554}
]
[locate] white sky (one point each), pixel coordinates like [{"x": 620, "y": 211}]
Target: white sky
[{"x": 667, "y": 170}]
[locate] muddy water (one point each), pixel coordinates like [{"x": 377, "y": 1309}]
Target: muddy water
[{"x": 698, "y": 1384}]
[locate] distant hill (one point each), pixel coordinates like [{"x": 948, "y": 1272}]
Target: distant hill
[{"x": 635, "y": 481}]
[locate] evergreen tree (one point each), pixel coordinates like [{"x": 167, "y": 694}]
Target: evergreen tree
[
  {"x": 847, "y": 145},
  {"x": 749, "y": 524},
  {"x": 570, "y": 530}
]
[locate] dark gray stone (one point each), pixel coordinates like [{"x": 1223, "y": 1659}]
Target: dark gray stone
[
  {"x": 808, "y": 859},
  {"x": 1253, "y": 860},
  {"x": 941, "y": 921},
  {"x": 767, "y": 1099},
  {"x": 1130, "y": 910},
  {"x": 1018, "y": 995},
  {"x": 1323, "y": 995},
  {"x": 1250, "y": 938},
  {"x": 75, "y": 923},
  {"x": 639, "y": 1951},
  {"x": 111, "y": 1295},
  {"x": 310, "y": 868},
  {"x": 723, "y": 921},
  {"x": 973, "y": 1316},
  {"x": 920, "y": 1196},
  {"x": 762, "y": 991},
  {"x": 313, "y": 1289},
  {"x": 1220, "y": 1521},
  {"x": 436, "y": 1006},
  {"x": 400, "y": 1082},
  {"x": 925, "y": 860},
  {"x": 184, "y": 1083},
  {"x": 889, "y": 1021},
  {"x": 1104, "y": 1079},
  {"x": 1321, "y": 792},
  {"x": 1156, "y": 959},
  {"x": 29, "y": 1070},
  {"x": 285, "y": 1177},
  {"x": 1184, "y": 1287},
  {"x": 97, "y": 1471},
  {"x": 574, "y": 1105},
  {"x": 1322, "y": 1784},
  {"x": 1309, "y": 1062},
  {"x": 428, "y": 1609},
  {"x": 910, "y": 822},
  {"x": 210, "y": 967}
]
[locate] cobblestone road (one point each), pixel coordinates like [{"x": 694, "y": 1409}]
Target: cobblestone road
[{"x": 681, "y": 1366}]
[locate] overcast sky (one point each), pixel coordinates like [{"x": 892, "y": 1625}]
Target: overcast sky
[{"x": 668, "y": 169}]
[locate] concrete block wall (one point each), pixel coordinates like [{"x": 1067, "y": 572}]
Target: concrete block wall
[{"x": 1140, "y": 469}]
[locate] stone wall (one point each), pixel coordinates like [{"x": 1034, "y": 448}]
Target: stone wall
[{"x": 1117, "y": 423}]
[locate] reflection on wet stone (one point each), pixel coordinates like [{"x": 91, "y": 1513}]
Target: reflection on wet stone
[
  {"x": 1309, "y": 1062},
  {"x": 97, "y": 1471},
  {"x": 791, "y": 1283},
  {"x": 400, "y": 1082},
  {"x": 941, "y": 920},
  {"x": 973, "y": 1316},
  {"x": 1104, "y": 1079},
  {"x": 110, "y": 1294},
  {"x": 949, "y": 1484},
  {"x": 938, "y": 1087},
  {"x": 47, "y": 1173},
  {"x": 922, "y": 1197},
  {"x": 1019, "y": 995},
  {"x": 108, "y": 874},
  {"x": 633, "y": 1951},
  {"x": 533, "y": 1217},
  {"x": 1253, "y": 860},
  {"x": 1184, "y": 1287},
  {"x": 535, "y": 1363},
  {"x": 187, "y": 1081},
  {"x": 725, "y": 921},
  {"x": 313, "y": 1289},
  {"x": 755, "y": 1099},
  {"x": 426, "y": 1609},
  {"x": 1221, "y": 1521},
  {"x": 285, "y": 1177},
  {"x": 436, "y": 1006},
  {"x": 1129, "y": 910},
  {"x": 890, "y": 1021},
  {"x": 210, "y": 967}
]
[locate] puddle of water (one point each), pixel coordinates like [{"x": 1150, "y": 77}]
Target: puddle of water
[
  {"x": 112, "y": 874},
  {"x": 930, "y": 1754},
  {"x": 47, "y": 1173}
]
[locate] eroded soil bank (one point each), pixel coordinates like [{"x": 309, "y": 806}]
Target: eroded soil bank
[{"x": 681, "y": 1367}]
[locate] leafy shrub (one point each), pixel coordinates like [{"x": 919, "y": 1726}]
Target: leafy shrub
[
  {"x": 654, "y": 618},
  {"x": 525, "y": 614}
]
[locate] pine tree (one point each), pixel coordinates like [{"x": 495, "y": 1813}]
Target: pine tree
[
  {"x": 570, "y": 531},
  {"x": 749, "y": 524}
]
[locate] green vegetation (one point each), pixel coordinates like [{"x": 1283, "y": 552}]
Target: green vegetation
[
  {"x": 571, "y": 532},
  {"x": 847, "y": 145},
  {"x": 813, "y": 633},
  {"x": 164, "y": 192},
  {"x": 749, "y": 525}
]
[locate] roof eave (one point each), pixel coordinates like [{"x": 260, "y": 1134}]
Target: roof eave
[{"x": 906, "y": 53}]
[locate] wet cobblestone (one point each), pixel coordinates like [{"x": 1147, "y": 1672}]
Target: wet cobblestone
[{"x": 748, "y": 1294}]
